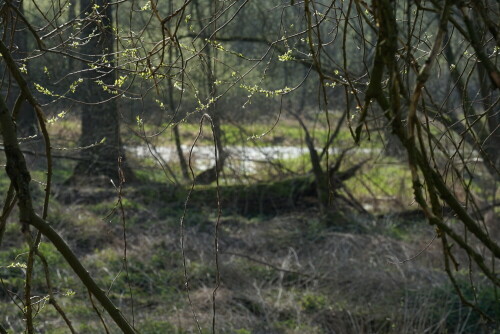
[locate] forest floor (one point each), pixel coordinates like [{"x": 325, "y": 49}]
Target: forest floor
[
  {"x": 281, "y": 266},
  {"x": 295, "y": 271}
]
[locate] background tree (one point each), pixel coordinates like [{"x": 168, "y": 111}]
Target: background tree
[
  {"x": 100, "y": 138},
  {"x": 15, "y": 36}
]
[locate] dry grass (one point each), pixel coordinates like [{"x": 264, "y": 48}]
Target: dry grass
[
  {"x": 279, "y": 277},
  {"x": 284, "y": 274}
]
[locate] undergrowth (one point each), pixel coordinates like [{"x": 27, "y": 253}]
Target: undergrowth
[{"x": 284, "y": 266}]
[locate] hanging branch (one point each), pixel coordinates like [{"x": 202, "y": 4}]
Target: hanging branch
[{"x": 20, "y": 178}]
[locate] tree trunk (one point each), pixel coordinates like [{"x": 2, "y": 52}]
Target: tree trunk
[
  {"x": 180, "y": 153},
  {"x": 490, "y": 138},
  {"x": 100, "y": 137},
  {"x": 171, "y": 104},
  {"x": 213, "y": 111},
  {"x": 17, "y": 41},
  {"x": 210, "y": 175}
]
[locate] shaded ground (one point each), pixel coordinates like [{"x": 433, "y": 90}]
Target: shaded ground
[{"x": 288, "y": 272}]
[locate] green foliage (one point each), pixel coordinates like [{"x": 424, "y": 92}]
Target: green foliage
[
  {"x": 312, "y": 303},
  {"x": 12, "y": 268}
]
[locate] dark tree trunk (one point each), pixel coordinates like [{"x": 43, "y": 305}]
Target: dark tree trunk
[
  {"x": 180, "y": 153},
  {"x": 100, "y": 119},
  {"x": 490, "y": 136},
  {"x": 16, "y": 38},
  {"x": 213, "y": 110},
  {"x": 171, "y": 104},
  {"x": 210, "y": 175}
]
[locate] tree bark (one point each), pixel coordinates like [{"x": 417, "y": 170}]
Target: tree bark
[
  {"x": 100, "y": 120},
  {"x": 17, "y": 42}
]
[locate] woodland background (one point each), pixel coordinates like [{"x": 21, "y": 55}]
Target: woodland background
[{"x": 237, "y": 166}]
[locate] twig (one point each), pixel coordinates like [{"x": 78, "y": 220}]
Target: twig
[
  {"x": 416, "y": 255},
  {"x": 124, "y": 228},
  {"x": 267, "y": 264},
  {"x": 52, "y": 299},
  {"x": 182, "y": 226},
  {"x": 98, "y": 313}
]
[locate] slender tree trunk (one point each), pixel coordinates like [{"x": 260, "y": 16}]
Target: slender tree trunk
[
  {"x": 320, "y": 177},
  {"x": 214, "y": 112},
  {"x": 171, "y": 104},
  {"x": 209, "y": 175},
  {"x": 180, "y": 153},
  {"x": 491, "y": 133}
]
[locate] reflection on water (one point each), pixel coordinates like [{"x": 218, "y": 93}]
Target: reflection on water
[{"x": 243, "y": 159}]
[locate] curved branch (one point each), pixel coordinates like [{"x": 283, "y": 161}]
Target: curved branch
[{"x": 20, "y": 178}]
